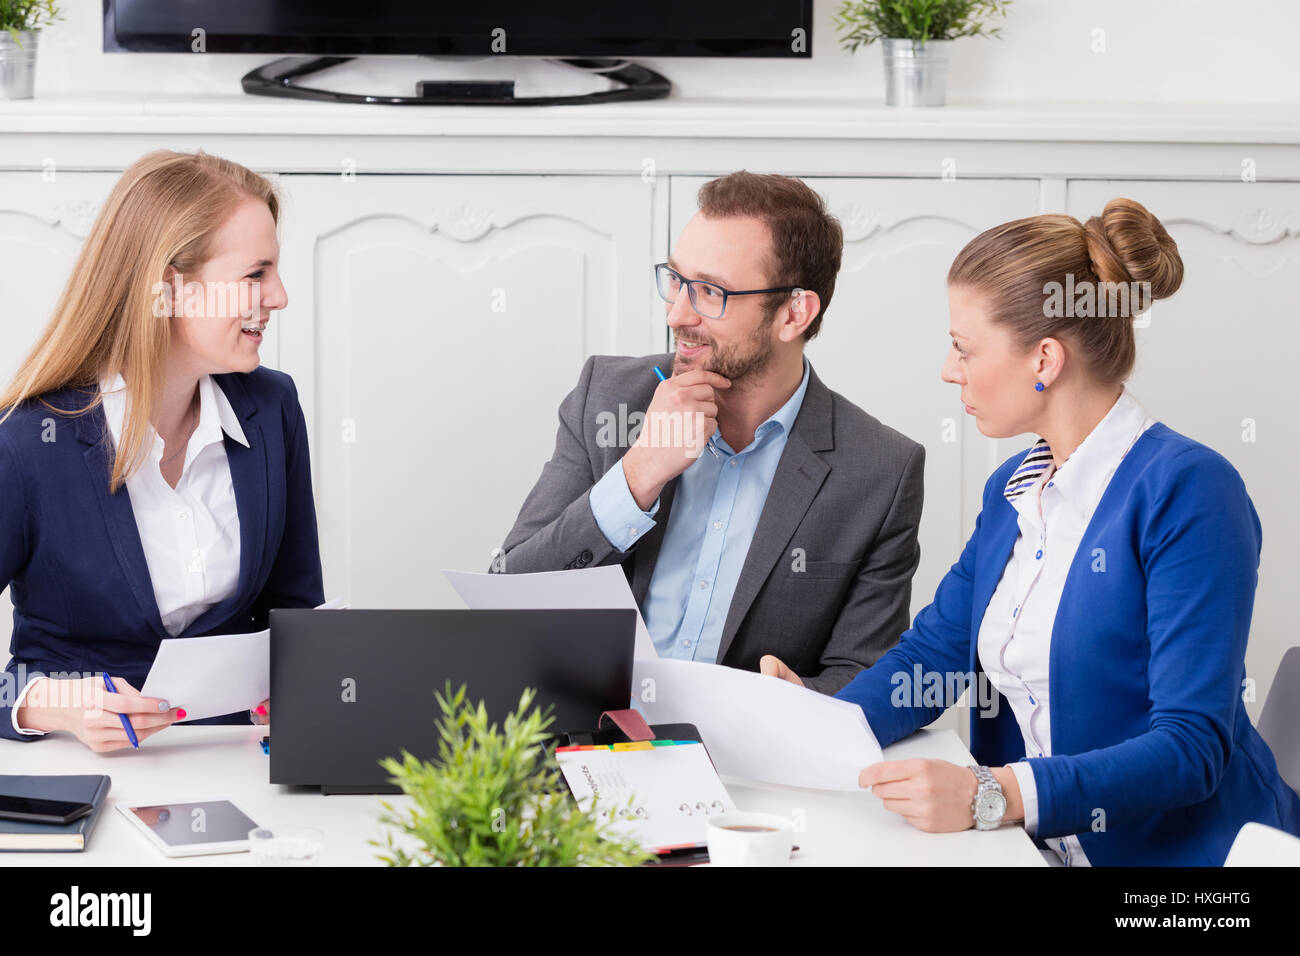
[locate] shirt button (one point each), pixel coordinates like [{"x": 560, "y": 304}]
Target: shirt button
[
  {"x": 1039, "y": 555},
  {"x": 686, "y": 644},
  {"x": 717, "y": 525},
  {"x": 733, "y": 463},
  {"x": 1049, "y": 484},
  {"x": 704, "y": 585},
  {"x": 183, "y": 515},
  {"x": 631, "y": 531}
]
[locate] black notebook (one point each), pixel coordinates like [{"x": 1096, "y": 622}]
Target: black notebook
[{"x": 70, "y": 837}]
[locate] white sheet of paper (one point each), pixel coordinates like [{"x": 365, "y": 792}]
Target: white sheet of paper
[
  {"x": 581, "y": 588},
  {"x": 215, "y": 675},
  {"x": 759, "y": 727}
]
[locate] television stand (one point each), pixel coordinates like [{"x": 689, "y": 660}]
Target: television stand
[{"x": 638, "y": 83}]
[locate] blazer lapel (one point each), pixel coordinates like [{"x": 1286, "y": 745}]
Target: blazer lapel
[
  {"x": 647, "y": 549},
  {"x": 249, "y": 474},
  {"x": 995, "y": 546},
  {"x": 92, "y": 430},
  {"x": 799, "y": 476}
]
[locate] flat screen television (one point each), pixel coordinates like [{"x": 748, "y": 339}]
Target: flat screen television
[{"x": 568, "y": 28}]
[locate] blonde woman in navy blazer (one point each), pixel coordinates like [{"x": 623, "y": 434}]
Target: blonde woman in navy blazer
[
  {"x": 154, "y": 480},
  {"x": 1101, "y": 607}
]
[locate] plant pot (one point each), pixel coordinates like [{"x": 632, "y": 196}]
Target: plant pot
[
  {"x": 916, "y": 74},
  {"x": 18, "y": 65}
]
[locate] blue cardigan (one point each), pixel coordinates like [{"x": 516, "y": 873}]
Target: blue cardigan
[
  {"x": 71, "y": 553},
  {"x": 1146, "y": 669}
]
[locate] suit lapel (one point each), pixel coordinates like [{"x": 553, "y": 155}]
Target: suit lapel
[
  {"x": 647, "y": 549},
  {"x": 799, "y": 475},
  {"x": 123, "y": 535},
  {"x": 249, "y": 473}
]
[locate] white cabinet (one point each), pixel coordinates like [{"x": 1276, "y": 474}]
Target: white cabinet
[
  {"x": 885, "y": 334},
  {"x": 434, "y": 325},
  {"x": 1216, "y": 362},
  {"x": 436, "y": 320},
  {"x": 43, "y": 220}
]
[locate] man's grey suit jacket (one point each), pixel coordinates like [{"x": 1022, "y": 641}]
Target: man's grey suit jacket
[{"x": 827, "y": 582}]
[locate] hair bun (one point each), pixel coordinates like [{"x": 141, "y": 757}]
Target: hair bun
[{"x": 1127, "y": 244}]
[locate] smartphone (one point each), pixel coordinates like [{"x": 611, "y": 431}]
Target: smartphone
[{"x": 36, "y": 810}]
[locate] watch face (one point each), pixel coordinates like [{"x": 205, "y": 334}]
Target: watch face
[{"x": 990, "y": 806}]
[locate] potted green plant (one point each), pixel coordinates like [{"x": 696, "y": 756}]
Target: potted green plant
[
  {"x": 20, "y": 25},
  {"x": 917, "y": 36},
  {"x": 495, "y": 797}
]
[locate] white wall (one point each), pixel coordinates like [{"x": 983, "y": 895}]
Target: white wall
[{"x": 1155, "y": 50}]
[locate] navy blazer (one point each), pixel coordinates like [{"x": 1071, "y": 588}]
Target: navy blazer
[
  {"x": 71, "y": 554},
  {"x": 1154, "y": 759}
]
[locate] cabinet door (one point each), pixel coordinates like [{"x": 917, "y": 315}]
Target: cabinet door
[
  {"x": 1215, "y": 361},
  {"x": 885, "y": 335},
  {"x": 434, "y": 325},
  {"x": 43, "y": 220}
]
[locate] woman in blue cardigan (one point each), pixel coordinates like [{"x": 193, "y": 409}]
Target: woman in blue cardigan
[
  {"x": 154, "y": 481},
  {"x": 1101, "y": 608}
]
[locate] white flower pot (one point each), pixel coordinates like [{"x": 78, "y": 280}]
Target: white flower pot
[
  {"x": 916, "y": 74},
  {"x": 18, "y": 65}
]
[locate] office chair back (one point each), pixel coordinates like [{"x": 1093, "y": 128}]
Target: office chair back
[
  {"x": 1279, "y": 722},
  {"x": 1258, "y": 845}
]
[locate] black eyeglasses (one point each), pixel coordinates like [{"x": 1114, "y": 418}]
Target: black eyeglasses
[{"x": 707, "y": 298}]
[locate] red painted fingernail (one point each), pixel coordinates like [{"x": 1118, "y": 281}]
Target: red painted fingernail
[
  {"x": 180, "y": 713},
  {"x": 261, "y": 709}
]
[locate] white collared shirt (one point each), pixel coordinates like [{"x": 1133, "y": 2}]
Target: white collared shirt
[
  {"x": 1015, "y": 637},
  {"x": 190, "y": 533}
]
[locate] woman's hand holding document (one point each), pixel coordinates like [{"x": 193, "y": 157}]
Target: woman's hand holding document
[
  {"x": 216, "y": 675},
  {"x": 759, "y": 728}
]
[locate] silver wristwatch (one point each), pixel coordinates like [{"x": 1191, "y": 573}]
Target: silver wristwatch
[{"x": 989, "y": 804}]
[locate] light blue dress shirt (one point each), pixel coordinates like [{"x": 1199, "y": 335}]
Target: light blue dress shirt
[{"x": 715, "y": 511}]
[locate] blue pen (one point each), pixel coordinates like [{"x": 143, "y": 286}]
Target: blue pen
[
  {"x": 126, "y": 723},
  {"x": 659, "y": 374}
]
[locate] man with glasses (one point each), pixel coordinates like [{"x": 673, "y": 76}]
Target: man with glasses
[{"x": 756, "y": 512}]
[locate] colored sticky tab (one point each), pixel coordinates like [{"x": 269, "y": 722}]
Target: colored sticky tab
[{"x": 635, "y": 745}]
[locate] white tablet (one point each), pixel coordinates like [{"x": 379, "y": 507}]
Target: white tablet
[{"x": 193, "y": 829}]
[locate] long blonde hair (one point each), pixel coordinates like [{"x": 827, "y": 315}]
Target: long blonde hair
[{"x": 163, "y": 211}]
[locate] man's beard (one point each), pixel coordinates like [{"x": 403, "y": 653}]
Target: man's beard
[{"x": 740, "y": 362}]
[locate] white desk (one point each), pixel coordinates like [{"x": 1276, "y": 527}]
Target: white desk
[{"x": 227, "y": 762}]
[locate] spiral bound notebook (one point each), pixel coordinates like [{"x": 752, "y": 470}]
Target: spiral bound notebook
[
  {"x": 18, "y": 836},
  {"x": 661, "y": 791}
]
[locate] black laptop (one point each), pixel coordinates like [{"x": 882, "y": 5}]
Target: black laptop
[{"x": 349, "y": 687}]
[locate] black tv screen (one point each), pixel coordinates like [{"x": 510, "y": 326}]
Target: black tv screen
[{"x": 569, "y": 28}]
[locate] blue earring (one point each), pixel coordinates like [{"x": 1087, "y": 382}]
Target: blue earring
[{"x": 1038, "y": 386}]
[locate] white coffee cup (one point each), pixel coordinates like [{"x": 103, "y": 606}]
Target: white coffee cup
[{"x": 750, "y": 839}]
